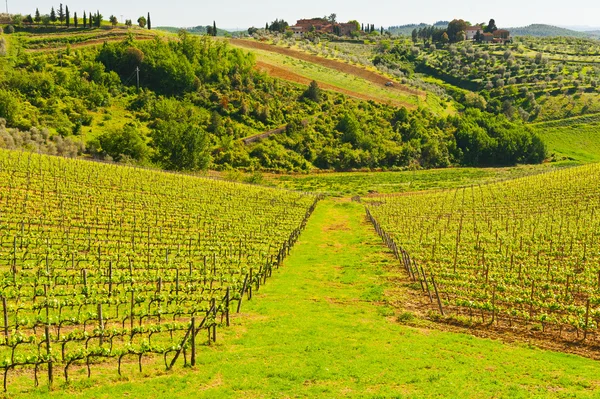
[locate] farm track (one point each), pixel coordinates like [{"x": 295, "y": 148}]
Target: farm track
[{"x": 339, "y": 66}]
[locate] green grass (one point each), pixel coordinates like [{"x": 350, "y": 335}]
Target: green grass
[
  {"x": 575, "y": 141},
  {"x": 318, "y": 329},
  {"x": 361, "y": 183}
]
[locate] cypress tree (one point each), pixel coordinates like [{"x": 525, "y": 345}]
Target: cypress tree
[
  {"x": 149, "y": 24},
  {"x": 61, "y": 14},
  {"x": 53, "y": 15},
  {"x": 84, "y": 19},
  {"x": 38, "y": 17},
  {"x": 67, "y": 16},
  {"x": 75, "y": 21},
  {"x": 214, "y": 32}
]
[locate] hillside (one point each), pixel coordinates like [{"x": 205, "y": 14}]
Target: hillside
[
  {"x": 541, "y": 30},
  {"x": 202, "y": 95}
]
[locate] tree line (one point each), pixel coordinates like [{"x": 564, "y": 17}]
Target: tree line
[{"x": 63, "y": 17}]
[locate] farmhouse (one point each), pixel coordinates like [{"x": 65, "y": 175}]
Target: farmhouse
[
  {"x": 501, "y": 36},
  {"x": 322, "y": 25},
  {"x": 471, "y": 32}
]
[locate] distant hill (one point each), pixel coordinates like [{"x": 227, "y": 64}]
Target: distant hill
[
  {"x": 541, "y": 30},
  {"x": 197, "y": 30},
  {"x": 406, "y": 30}
]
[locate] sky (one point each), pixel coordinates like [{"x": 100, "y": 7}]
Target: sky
[{"x": 245, "y": 13}]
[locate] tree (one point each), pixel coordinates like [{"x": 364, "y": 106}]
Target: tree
[
  {"x": 279, "y": 25},
  {"x": 52, "y": 15},
  {"x": 141, "y": 21},
  {"x": 75, "y": 20},
  {"x": 445, "y": 39},
  {"x": 38, "y": 17},
  {"x": 98, "y": 19},
  {"x": 91, "y": 21},
  {"x": 113, "y": 20},
  {"x": 128, "y": 23},
  {"x": 67, "y": 16},
  {"x": 9, "y": 106},
  {"x": 313, "y": 92},
  {"x": 415, "y": 35},
  {"x": 84, "y": 19},
  {"x": 124, "y": 143},
  {"x": 180, "y": 146},
  {"x": 28, "y": 19},
  {"x": 61, "y": 13},
  {"x": 149, "y": 23},
  {"x": 332, "y": 18},
  {"x": 478, "y": 36},
  {"x": 491, "y": 28},
  {"x": 455, "y": 28},
  {"x": 214, "y": 31}
]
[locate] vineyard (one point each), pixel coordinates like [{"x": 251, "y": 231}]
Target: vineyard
[
  {"x": 519, "y": 256},
  {"x": 113, "y": 264}
]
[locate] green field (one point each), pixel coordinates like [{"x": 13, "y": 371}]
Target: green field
[
  {"x": 362, "y": 183},
  {"x": 574, "y": 138}
]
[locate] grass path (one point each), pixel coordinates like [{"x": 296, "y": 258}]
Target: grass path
[{"x": 318, "y": 328}]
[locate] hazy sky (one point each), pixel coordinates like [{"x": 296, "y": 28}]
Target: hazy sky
[{"x": 246, "y": 13}]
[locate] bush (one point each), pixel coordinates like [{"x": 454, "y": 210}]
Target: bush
[
  {"x": 10, "y": 29},
  {"x": 123, "y": 143}
]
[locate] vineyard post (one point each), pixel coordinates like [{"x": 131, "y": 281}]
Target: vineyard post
[
  {"x": 131, "y": 311},
  {"x": 439, "y": 301},
  {"x": 587, "y": 316},
  {"x": 426, "y": 284},
  {"x": 50, "y": 376},
  {"x": 214, "y": 326},
  {"x": 100, "y": 324},
  {"x": 193, "y": 342},
  {"x": 110, "y": 273},
  {"x": 4, "y": 308},
  {"x": 250, "y": 285},
  {"x": 242, "y": 293},
  {"x": 227, "y": 307},
  {"x": 14, "y": 261}
]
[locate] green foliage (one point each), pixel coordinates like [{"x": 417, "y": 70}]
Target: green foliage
[
  {"x": 125, "y": 143},
  {"x": 9, "y": 106},
  {"x": 484, "y": 139},
  {"x": 313, "y": 92},
  {"x": 278, "y": 26},
  {"x": 456, "y": 29},
  {"x": 180, "y": 146}
]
